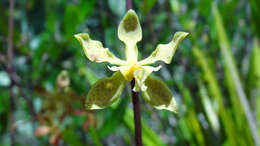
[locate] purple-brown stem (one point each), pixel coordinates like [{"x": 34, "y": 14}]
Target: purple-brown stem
[
  {"x": 10, "y": 68},
  {"x": 129, "y": 4},
  {"x": 137, "y": 116}
]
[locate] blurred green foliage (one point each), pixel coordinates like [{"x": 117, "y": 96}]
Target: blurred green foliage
[{"x": 221, "y": 54}]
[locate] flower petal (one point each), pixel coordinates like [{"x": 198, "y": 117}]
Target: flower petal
[
  {"x": 95, "y": 52},
  {"x": 165, "y": 52},
  {"x": 124, "y": 70},
  {"x": 159, "y": 95},
  {"x": 140, "y": 76},
  {"x": 105, "y": 91},
  {"x": 130, "y": 32},
  {"x": 150, "y": 69}
]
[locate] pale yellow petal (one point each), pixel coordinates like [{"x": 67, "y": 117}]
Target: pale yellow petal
[
  {"x": 125, "y": 70},
  {"x": 165, "y": 52},
  {"x": 95, "y": 52},
  {"x": 150, "y": 69},
  {"x": 114, "y": 68}
]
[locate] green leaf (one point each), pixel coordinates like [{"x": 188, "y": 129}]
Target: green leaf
[
  {"x": 115, "y": 118},
  {"x": 69, "y": 136},
  {"x": 205, "y": 7},
  {"x": 90, "y": 76},
  {"x": 254, "y": 71},
  {"x": 190, "y": 118},
  {"x": 175, "y": 6},
  {"x": 71, "y": 20},
  {"x": 254, "y": 78},
  {"x": 94, "y": 136},
  {"x": 209, "y": 108},
  {"x": 165, "y": 52},
  {"x": 74, "y": 14},
  {"x": 215, "y": 92},
  {"x": 255, "y": 11},
  {"x": 146, "y": 6},
  {"x": 230, "y": 67},
  {"x": 105, "y": 91},
  {"x": 159, "y": 95}
]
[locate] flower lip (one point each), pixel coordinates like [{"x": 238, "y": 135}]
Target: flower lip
[{"x": 130, "y": 73}]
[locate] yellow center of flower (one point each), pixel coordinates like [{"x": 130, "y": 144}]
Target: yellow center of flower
[{"x": 130, "y": 72}]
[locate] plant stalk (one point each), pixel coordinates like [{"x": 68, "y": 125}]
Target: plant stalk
[
  {"x": 129, "y": 5},
  {"x": 10, "y": 68},
  {"x": 137, "y": 116},
  {"x": 135, "y": 100}
]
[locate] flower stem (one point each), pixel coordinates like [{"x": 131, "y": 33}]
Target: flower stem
[
  {"x": 10, "y": 69},
  {"x": 128, "y": 4},
  {"x": 137, "y": 116}
]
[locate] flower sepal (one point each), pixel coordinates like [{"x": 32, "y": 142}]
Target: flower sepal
[
  {"x": 105, "y": 91},
  {"x": 159, "y": 95}
]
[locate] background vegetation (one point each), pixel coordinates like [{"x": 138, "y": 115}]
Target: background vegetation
[{"x": 214, "y": 76}]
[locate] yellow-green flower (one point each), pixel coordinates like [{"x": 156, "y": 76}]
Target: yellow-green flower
[{"x": 105, "y": 91}]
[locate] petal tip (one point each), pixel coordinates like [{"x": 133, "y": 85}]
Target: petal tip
[
  {"x": 185, "y": 34},
  {"x": 129, "y": 30},
  {"x": 130, "y": 11},
  {"x": 92, "y": 107},
  {"x": 83, "y": 36},
  {"x": 180, "y": 34}
]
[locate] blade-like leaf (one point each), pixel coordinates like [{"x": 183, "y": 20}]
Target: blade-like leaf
[
  {"x": 231, "y": 67},
  {"x": 215, "y": 92},
  {"x": 209, "y": 108},
  {"x": 105, "y": 91},
  {"x": 115, "y": 118},
  {"x": 190, "y": 118},
  {"x": 254, "y": 78}
]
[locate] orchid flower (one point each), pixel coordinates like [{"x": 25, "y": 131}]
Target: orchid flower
[{"x": 106, "y": 90}]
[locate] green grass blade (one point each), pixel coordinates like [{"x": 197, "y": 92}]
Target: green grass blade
[
  {"x": 254, "y": 78},
  {"x": 90, "y": 75},
  {"x": 215, "y": 91},
  {"x": 209, "y": 108},
  {"x": 191, "y": 118},
  {"x": 94, "y": 135},
  {"x": 229, "y": 61}
]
